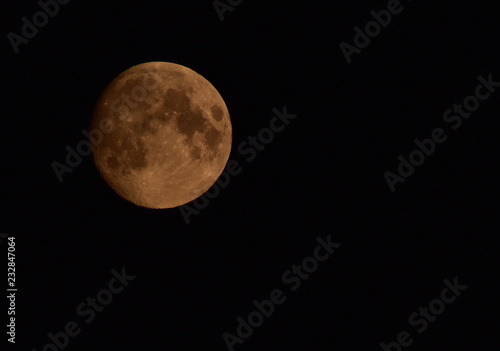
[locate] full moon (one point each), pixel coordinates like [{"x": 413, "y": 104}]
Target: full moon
[{"x": 163, "y": 135}]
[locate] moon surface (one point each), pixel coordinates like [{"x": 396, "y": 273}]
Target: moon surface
[{"x": 165, "y": 135}]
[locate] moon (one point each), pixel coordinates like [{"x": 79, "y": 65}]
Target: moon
[{"x": 162, "y": 135}]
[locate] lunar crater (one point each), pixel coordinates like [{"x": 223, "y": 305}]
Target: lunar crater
[{"x": 178, "y": 139}]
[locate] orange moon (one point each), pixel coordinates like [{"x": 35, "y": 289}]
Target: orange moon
[{"x": 166, "y": 135}]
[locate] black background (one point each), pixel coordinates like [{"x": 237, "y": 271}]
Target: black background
[{"x": 323, "y": 175}]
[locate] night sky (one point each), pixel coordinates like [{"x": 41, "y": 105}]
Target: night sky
[{"x": 370, "y": 217}]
